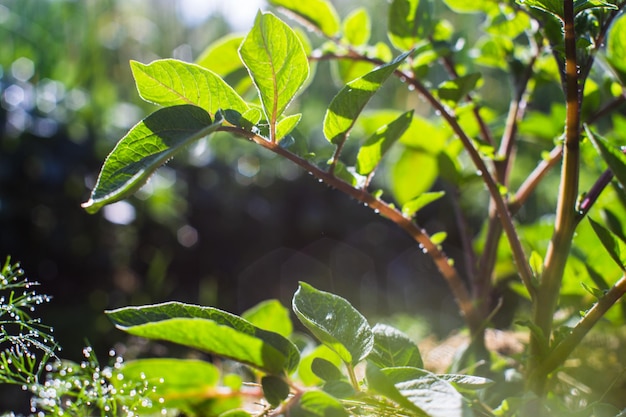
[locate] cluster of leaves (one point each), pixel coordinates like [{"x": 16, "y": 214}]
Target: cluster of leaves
[
  {"x": 536, "y": 43},
  {"x": 297, "y": 379}
]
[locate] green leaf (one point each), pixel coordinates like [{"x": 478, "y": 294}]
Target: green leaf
[
  {"x": 275, "y": 389},
  {"x": 556, "y": 6},
  {"x": 413, "y": 174},
  {"x": 211, "y": 330},
  {"x": 466, "y": 382},
  {"x": 613, "y": 244},
  {"x": 393, "y": 348},
  {"x": 383, "y": 385},
  {"x": 319, "y": 13},
  {"x": 403, "y": 24},
  {"x": 146, "y": 147},
  {"x": 318, "y": 404},
  {"x": 472, "y": 6},
  {"x": 287, "y": 125},
  {"x": 277, "y": 63},
  {"x": 222, "y": 56},
  {"x": 455, "y": 90},
  {"x": 357, "y": 27},
  {"x": 436, "y": 396},
  {"x": 326, "y": 370},
  {"x": 334, "y": 322},
  {"x": 612, "y": 155},
  {"x": 169, "y": 82},
  {"x": 270, "y": 315},
  {"x": 235, "y": 413},
  {"x": 305, "y": 368},
  {"x": 616, "y": 47},
  {"x": 379, "y": 143},
  {"x": 413, "y": 206},
  {"x": 352, "y": 98},
  {"x": 179, "y": 383}
]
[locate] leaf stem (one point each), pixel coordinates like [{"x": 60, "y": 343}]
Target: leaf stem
[
  {"x": 442, "y": 262},
  {"x": 547, "y": 295}
]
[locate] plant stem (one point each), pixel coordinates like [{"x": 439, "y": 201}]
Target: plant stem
[
  {"x": 547, "y": 295},
  {"x": 561, "y": 352},
  {"x": 442, "y": 262}
]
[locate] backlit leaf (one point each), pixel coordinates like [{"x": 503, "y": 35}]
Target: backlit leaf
[
  {"x": 456, "y": 89},
  {"x": 413, "y": 206},
  {"x": 222, "y": 56},
  {"x": 211, "y": 330},
  {"x": 616, "y": 47},
  {"x": 613, "y": 244},
  {"x": 612, "y": 155},
  {"x": 270, "y": 315},
  {"x": 378, "y": 382},
  {"x": 319, "y": 13},
  {"x": 413, "y": 174},
  {"x": 403, "y": 24},
  {"x": 379, "y": 143},
  {"x": 352, "y": 98},
  {"x": 169, "y": 82},
  {"x": 357, "y": 27},
  {"x": 277, "y": 63},
  {"x": 472, "y": 6},
  {"x": 146, "y": 147},
  {"x": 287, "y": 125},
  {"x": 393, "y": 348},
  {"x": 180, "y": 384},
  {"x": 334, "y": 322}
]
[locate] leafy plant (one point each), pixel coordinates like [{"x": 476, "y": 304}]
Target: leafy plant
[{"x": 467, "y": 138}]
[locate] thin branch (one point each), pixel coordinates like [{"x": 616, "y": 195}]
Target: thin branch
[
  {"x": 562, "y": 351},
  {"x": 441, "y": 261}
]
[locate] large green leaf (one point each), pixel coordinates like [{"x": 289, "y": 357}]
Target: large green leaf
[
  {"x": 612, "y": 155},
  {"x": 169, "y": 82},
  {"x": 319, "y": 13},
  {"x": 393, "y": 348},
  {"x": 270, "y": 315},
  {"x": 334, "y": 322},
  {"x": 352, "y": 98},
  {"x": 210, "y": 330},
  {"x": 615, "y": 246},
  {"x": 277, "y": 63},
  {"x": 146, "y": 147},
  {"x": 379, "y": 143},
  {"x": 616, "y": 47},
  {"x": 180, "y": 384},
  {"x": 403, "y": 24},
  {"x": 436, "y": 396}
]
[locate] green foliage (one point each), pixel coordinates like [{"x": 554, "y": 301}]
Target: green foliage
[{"x": 475, "y": 143}]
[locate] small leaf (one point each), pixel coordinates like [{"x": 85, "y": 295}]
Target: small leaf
[
  {"x": 349, "y": 102},
  {"x": 318, "y": 404},
  {"x": 277, "y": 63},
  {"x": 616, "y": 47},
  {"x": 379, "y": 143},
  {"x": 613, "y": 244},
  {"x": 595, "y": 292},
  {"x": 169, "y": 82},
  {"x": 413, "y": 174},
  {"x": 439, "y": 237},
  {"x": 287, "y": 125},
  {"x": 334, "y": 322},
  {"x": 536, "y": 263},
  {"x": 305, "y": 371},
  {"x": 403, "y": 24},
  {"x": 275, "y": 389},
  {"x": 326, "y": 370},
  {"x": 393, "y": 348},
  {"x": 270, "y": 315},
  {"x": 319, "y": 13},
  {"x": 146, "y": 147},
  {"x": 613, "y": 156},
  {"x": 357, "y": 27},
  {"x": 456, "y": 89},
  {"x": 413, "y": 206},
  {"x": 211, "y": 330}
]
